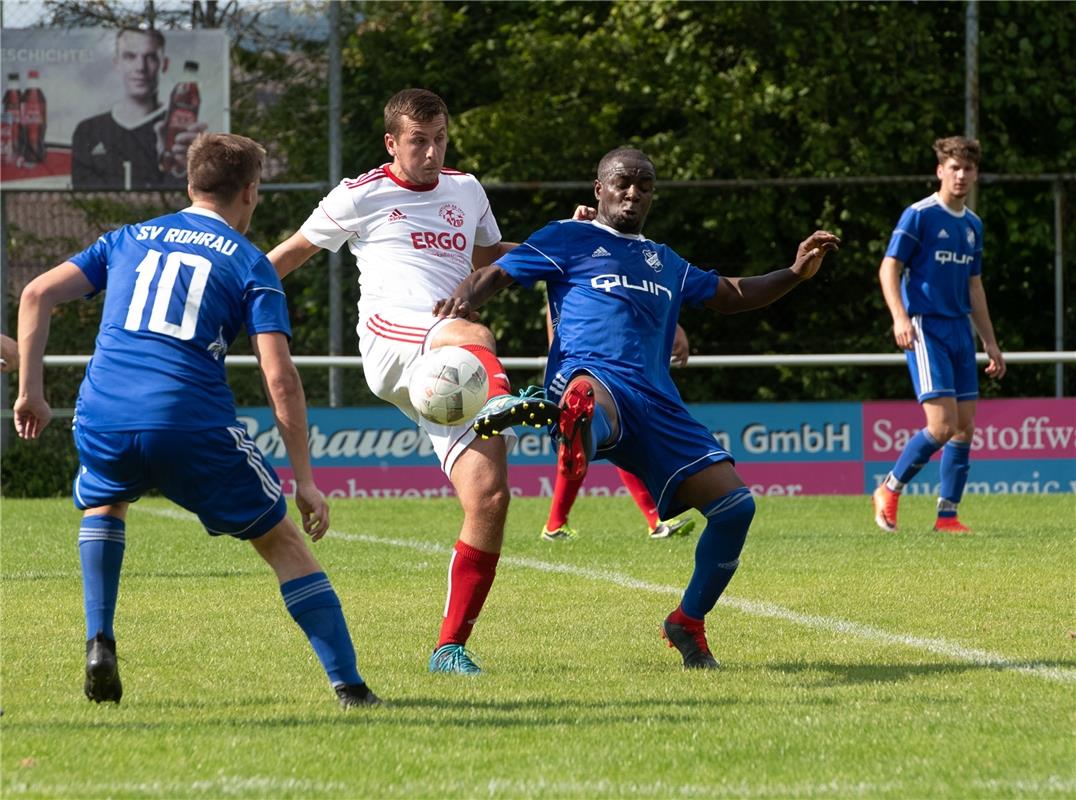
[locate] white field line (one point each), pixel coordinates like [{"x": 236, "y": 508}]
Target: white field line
[{"x": 758, "y": 608}]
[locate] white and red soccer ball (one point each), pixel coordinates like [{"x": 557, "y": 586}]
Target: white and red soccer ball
[{"x": 448, "y": 385}]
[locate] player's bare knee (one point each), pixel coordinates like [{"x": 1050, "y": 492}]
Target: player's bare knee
[
  {"x": 460, "y": 332},
  {"x": 285, "y": 550},
  {"x": 942, "y": 433}
]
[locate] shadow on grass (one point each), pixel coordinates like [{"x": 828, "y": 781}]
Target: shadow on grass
[
  {"x": 833, "y": 673},
  {"x": 421, "y": 713}
]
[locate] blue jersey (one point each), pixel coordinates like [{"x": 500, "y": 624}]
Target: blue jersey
[
  {"x": 940, "y": 250},
  {"x": 180, "y": 287},
  {"x": 614, "y": 298}
]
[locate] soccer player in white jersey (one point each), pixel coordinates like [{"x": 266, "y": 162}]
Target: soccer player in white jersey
[
  {"x": 931, "y": 278},
  {"x": 415, "y": 227},
  {"x": 155, "y": 410},
  {"x": 616, "y": 296}
]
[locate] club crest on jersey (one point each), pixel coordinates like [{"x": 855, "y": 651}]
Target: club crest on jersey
[
  {"x": 971, "y": 237},
  {"x": 652, "y": 260},
  {"x": 218, "y": 348},
  {"x": 452, "y": 214}
]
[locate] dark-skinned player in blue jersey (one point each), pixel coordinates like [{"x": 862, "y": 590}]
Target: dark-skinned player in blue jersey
[{"x": 617, "y": 296}]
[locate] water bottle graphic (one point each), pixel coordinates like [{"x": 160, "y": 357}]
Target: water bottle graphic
[
  {"x": 33, "y": 117},
  {"x": 182, "y": 112},
  {"x": 9, "y": 121}
]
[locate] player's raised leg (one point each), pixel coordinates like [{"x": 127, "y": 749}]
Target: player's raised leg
[
  {"x": 315, "y": 607},
  {"x": 480, "y": 478},
  {"x": 720, "y": 494},
  {"x": 587, "y": 421},
  {"x": 101, "y": 542},
  {"x": 502, "y": 409}
]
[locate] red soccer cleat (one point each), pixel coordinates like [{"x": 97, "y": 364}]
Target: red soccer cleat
[
  {"x": 576, "y": 412},
  {"x": 885, "y": 508},
  {"x": 950, "y": 525}
]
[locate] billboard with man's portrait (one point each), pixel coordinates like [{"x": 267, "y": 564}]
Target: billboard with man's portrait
[{"x": 100, "y": 109}]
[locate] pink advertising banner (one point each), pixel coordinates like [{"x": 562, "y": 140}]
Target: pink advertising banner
[
  {"x": 781, "y": 449},
  {"x": 1004, "y": 429}
]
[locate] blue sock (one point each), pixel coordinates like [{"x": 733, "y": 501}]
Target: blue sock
[
  {"x": 101, "y": 541},
  {"x": 954, "y": 475},
  {"x": 915, "y": 456},
  {"x": 718, "y": 552},
  {"x": 314, "y": 605},
  {"x": 600, "y": 429}
]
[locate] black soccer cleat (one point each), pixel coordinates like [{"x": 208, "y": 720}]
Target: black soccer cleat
[
  {"x": 353, "y": 695},
  {"x": 691, "y": 644},
  {"x": 102, "y": 673}
]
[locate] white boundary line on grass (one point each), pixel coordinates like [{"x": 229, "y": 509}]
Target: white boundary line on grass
[
  {"x": 942, "y": 647},
  {"x": 758, "y": 608}
]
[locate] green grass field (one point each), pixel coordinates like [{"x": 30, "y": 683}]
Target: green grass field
[{"x": 855, "y": 663}]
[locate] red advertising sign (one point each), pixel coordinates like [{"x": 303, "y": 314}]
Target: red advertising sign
[{"x": 99, "y": 108}]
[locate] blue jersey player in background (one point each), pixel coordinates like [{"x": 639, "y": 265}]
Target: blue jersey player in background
[
  {"x": 932, "y": 282},
  {"x": 155, "y": 412},
  {"x": 615, "y": 297}
]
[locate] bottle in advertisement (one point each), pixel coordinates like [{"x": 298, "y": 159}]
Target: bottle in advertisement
[
  {"x": 9, "y": 121},
  {"x": 33, "y": 117},
  {"x": 183, "y": 107}
]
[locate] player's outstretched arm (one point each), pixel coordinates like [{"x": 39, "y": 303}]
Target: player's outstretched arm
[
  {"x": 288, "y": 402},
  {"x": 48, "y": 290},
  {"x": 980, "y": 318},
  {"x": 473, "y": 292},
  {"x": 744, "y": 294},
  {"x": 291, "y": 254}
]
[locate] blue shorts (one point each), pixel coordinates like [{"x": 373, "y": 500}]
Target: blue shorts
[
  {"x": 942, "y": 363},
  {"x": 218, "y": 474},
  {"x": 659, "y": 442}
]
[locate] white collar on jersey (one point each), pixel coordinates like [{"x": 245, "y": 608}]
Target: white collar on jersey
[
  {"x": 205, "y": 212},
  {"x": 636, "y": 236},
  {"x": 946, "y": 209}
]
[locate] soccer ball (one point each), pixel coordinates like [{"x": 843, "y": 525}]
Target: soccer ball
[{"x": 448, "y": 385}]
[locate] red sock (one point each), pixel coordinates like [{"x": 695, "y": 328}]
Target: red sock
[
  {"x": 564, "y": 493},
  {"x": 641, "y": 496},
  {"x": 678, "y": 617},
  {"x": 470, "y": 576},
  {"x": 498, "y": 378}
]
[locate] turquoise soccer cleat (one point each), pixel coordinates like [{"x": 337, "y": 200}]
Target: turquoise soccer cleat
[
  {"x": 454, "y": 659},
  {"x": 529, "y": 407}
]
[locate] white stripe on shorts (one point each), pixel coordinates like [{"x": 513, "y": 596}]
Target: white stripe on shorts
[
  {"x": 254, "y": 459},
  {"x": 922, "y": 358}
]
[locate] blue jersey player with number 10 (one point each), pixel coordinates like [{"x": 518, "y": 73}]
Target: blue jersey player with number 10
[
  {"x": 932, "y": 282},
  {"x": 616, "y": 296},
  {"x": 155, "y": 412}
]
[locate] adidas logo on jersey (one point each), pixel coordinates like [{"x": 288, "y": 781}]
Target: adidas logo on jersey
[
  {"x": 601, "y": 252},
  {"x": 944, "y": 234},
  {"x": 396, "y": 215}
]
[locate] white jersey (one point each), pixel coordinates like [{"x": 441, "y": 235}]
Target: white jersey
[{"x": 412, "y": 244}]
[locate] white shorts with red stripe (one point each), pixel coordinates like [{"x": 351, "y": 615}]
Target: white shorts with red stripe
[{"x": 390, "y": 342}]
